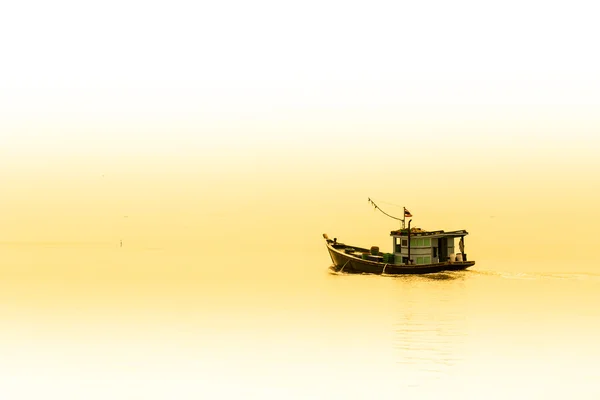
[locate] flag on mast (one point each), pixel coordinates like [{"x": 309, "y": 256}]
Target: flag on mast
[{"x": 407, "y": 213}]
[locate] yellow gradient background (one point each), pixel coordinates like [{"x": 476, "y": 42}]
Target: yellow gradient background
[{"x": 219, "y": 140}]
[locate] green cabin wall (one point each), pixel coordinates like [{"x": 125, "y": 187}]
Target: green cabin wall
[{"x": 421, "y": 249}]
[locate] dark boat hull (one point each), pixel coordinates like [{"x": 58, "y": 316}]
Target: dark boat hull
[{"x": 351, "y": 264}]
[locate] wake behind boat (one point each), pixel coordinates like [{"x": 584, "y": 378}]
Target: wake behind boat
[{"x": 415, "y": 251}]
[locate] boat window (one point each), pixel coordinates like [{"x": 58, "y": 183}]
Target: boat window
[
  {"x": 426, "y": 260},
  {"x": 404, "y": 242},
  {"x": 420, "y": 242},
  {"x": 419, "y": 260}
]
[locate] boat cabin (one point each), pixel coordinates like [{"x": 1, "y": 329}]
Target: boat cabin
[{"x": 421, "y": 247}]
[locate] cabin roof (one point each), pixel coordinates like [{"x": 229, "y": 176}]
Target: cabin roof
[{"x": 432, "y": 234}]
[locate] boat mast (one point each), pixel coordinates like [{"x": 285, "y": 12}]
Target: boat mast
[{"x": 409, "y": 221}]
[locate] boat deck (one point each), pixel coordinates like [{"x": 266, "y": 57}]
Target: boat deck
[{"x": 353, "y": 262}]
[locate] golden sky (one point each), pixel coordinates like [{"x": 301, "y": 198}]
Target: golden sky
[
  {"x": 193, "y": 119},
  {"x": 219, "y": 139}
]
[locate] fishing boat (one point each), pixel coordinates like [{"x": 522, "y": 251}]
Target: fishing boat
[{"x": 415, "y": 251}]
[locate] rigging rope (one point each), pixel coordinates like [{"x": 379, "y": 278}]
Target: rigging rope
[{"x": 377, "y": 208}]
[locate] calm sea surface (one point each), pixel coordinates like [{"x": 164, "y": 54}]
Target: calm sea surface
[{"x": 96, "y": 321}]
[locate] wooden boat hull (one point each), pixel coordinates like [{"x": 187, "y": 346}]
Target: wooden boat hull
[{"x": 348, "y": 263}]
